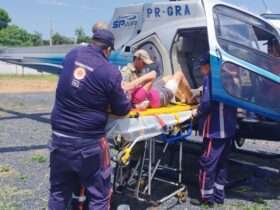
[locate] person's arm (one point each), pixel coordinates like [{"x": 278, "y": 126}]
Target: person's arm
[
  {"x": 119, "y": 103},
  {"x": 196, "y": 95},
  {"x": 154, "y": 67},
  {"x": 205, "y": 105},
  {"x": 204, "y": 108},
  {"x": 151, "y": 76}
]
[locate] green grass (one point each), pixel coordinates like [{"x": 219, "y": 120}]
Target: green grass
[
  {"x": 260, "y": 201},
  {"x": 9, "y": 195},
  {"x": 39, "y": 158},
  {"x": 23, "y": 178},
  {"x": 239, "y": 205},
  {"x": 4, "y": 169},
  {"x": 242, "y": 189},
  {"x": 7, "y": 171},
  {"x": 256, "y": 206},
  {"x": 29, "y": 77}
]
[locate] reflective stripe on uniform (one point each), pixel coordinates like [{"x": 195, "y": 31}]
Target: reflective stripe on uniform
[
  {"x": 206, "y": 127},
  {"x": 209, "y": 147},
  {"x": 63, "y": 135},
  {"x": 203, "y": 174},
  {"x": 77, "y": 63},
  {"x": 79, "y": 198},
  {"x": 207, "y": 192},
  {"x": 222, "y": 120},
  {"x": 106, "y": 153},
  {"x": 219, "y": 186}
]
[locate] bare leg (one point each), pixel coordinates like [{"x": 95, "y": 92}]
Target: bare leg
[
  {"x": 167, "y": 78},
  {"x": 184, "y": 91}
]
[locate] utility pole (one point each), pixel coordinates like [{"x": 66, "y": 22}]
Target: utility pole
[{"x": 51, "y": 32}]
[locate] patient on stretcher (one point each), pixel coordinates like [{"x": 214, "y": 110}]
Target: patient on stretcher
[{"x": 148, "y": 91}]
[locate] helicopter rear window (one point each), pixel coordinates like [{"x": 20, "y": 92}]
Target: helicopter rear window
[
  {"x": 247, "y": 85},
  {"x": 155, "y": 56},
  {"x": 248, "y": 38}
]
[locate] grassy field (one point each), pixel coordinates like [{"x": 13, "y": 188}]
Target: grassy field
[
  {"x": 27, "y": 83},
  {"x": 50, "y": 77}
]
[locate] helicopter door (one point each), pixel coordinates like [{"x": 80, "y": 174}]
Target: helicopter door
[{"x": 245, "y": 60}]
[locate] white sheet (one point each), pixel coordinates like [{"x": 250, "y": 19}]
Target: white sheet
[{"x": 148, "y": 126}]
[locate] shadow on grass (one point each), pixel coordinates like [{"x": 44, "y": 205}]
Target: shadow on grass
[
  {"x": 19, "y": 115},
  {"x": 22, "y": 148}
]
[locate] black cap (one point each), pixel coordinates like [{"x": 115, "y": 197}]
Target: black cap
[
  {"x": 204, "y": 59},
  {"x": 105, "y": 36}
]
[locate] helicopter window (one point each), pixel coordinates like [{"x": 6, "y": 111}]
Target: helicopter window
[
  {"x": 127, "y": 49},
  {"x": 242, "y": 83},
  {"x": 248, "y": 38},
  {"x": 187, "y": 47},
  {"x": 155, "y": 56}
]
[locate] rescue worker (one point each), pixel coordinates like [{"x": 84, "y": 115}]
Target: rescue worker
[
  {"x": 218, "y": 131},
  {"x": 88, "y": 87},
  {"x": 99, "y": 25}
]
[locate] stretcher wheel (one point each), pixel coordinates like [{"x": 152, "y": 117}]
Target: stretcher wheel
[{"x": 182, "y": 197}]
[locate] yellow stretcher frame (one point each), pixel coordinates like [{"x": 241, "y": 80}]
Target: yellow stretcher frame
[
  {"x": 170, "y": 109},
  {"x": 143, "y": 191}
]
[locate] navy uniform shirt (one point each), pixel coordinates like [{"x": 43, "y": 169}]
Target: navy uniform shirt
[
  {"x": 88, "y": 87},
  {"x": 218, "y": 119}
]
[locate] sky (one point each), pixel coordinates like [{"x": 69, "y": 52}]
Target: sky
[{"x": 67, "y": 15}]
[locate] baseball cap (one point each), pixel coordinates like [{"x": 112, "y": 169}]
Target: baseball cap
[
  {"x": 204, "y": 59},
  {"x": 143, "y": 55},
  {"x": 105, "y": 36}
]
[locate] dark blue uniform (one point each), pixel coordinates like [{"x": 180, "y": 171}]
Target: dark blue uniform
[
  {"x": 88, "y": 87},
  {"x": 218, "y": 130}
]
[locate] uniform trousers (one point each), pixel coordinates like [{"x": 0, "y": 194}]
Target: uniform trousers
[
  {"x": 79, "y": 161},
  {"x": 213, "y": 165}
]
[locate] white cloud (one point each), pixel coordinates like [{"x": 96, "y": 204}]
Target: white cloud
[
  {"x": 59, "y": 3},
  {"x": 62, "y": 3}
]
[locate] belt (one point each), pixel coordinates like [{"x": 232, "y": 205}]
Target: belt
[
  {"x": 63, "y": 135},
  {"x": 73, "y": 140}
]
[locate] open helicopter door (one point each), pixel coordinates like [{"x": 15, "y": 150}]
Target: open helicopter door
[{"x": 245, "y": 62}]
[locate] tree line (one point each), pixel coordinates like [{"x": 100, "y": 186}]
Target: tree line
[{"x": 14, "y": 36}]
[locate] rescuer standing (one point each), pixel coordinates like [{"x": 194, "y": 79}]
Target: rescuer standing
[{"x": 89, "y": 87}]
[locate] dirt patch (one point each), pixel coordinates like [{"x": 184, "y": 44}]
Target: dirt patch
[{"x": 27, "y": 84}]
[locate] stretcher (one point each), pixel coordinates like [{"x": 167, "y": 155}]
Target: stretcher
[{"x": 141, "y": 142}]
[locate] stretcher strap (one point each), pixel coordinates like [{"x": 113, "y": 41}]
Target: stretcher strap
[
  {"x": 124, "y": 158},
  {"x": 161, "y": 122},
  {"x": 181, "y": 136},
  {"x": 176, "y": 128},
  {"x": 177, "y": 118}
]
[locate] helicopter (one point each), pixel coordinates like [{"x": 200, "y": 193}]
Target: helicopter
[{"x": 244, "y": 73}]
